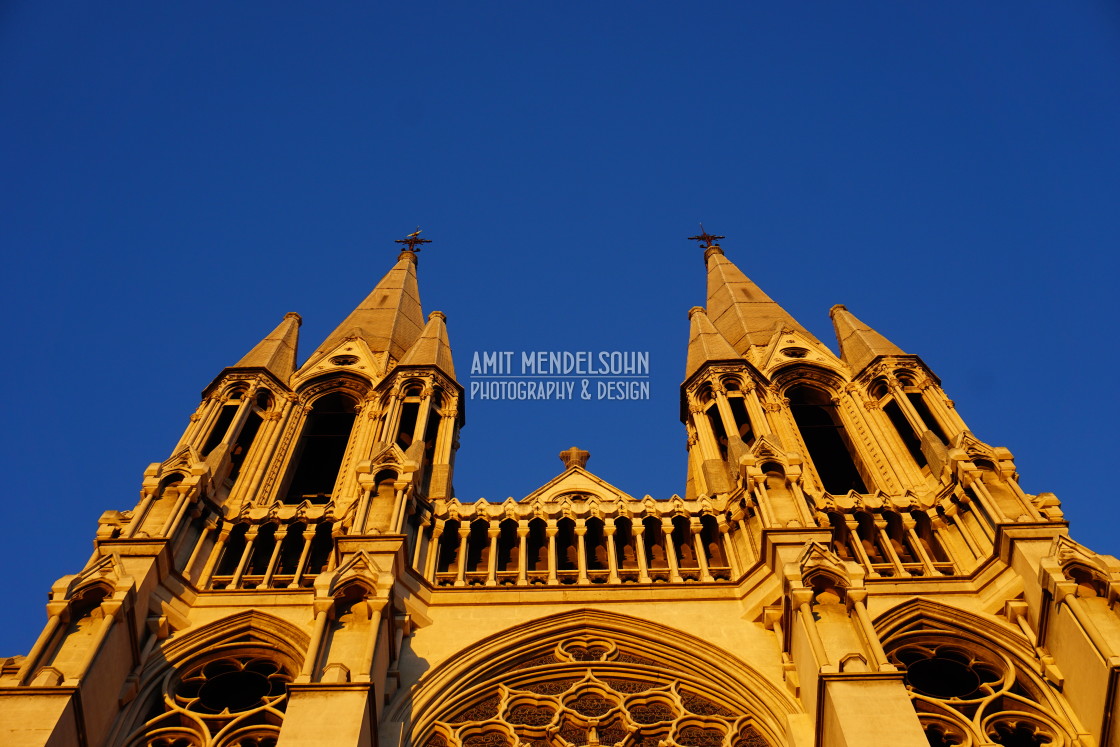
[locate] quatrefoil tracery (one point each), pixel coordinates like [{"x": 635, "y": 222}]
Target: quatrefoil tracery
[{"x": 619, "y": 709}]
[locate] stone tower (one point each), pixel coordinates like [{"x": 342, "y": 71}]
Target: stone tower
[{"x": 849, "y": 565}]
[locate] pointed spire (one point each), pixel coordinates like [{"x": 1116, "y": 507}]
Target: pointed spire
[
  {"x": 859, "y": 344},
  {"x": 276, "y": 353},
  {"x": 739, "y": 309},
  {"x": 705, "y": 343},
  {"x": 389, "y": 319},
  {"x": 433, "y": 348}
]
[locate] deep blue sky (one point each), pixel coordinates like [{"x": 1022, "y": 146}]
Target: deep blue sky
[{"x": 179, "y": 175}]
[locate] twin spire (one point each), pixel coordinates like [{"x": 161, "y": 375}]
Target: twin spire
[
  {"x": 389, "y": 320},
  {"x": 741, "y": 320}
]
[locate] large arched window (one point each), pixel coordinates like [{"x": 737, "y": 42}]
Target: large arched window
[
  {"x": 823, "y": 433},
  {"x": 969, "y": 691},
  {"x": 321, "y": 449},
  {"x": 227, "y": 689},
  {"x": 591, "y": 685}
]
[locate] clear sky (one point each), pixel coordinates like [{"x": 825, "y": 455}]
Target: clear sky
[{"x": 177, "y": 176}]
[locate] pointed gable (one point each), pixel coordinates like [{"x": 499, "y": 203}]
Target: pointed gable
[
  {"x": 389, "y": 319},
  {"x": 705, "y": 343},
  {"x": 276, "y": 353},
  {"x": 859, "y": 343},
  {"x": 433, "y": 347}
]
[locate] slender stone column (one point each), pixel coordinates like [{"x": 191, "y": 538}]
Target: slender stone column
[
  {"x": 433, "y": 551},
  {"x": 581, "y": 551},
  {"x": 694, "y": 527},
  {"x": 492, "y": 559},
  {"x": 522, "y": 553},
  {"x": 250, "y": 538},
  {"x": 551, "y": 531},
  {"x": 640, "y": 551},
  {"x": 464, "y": 533},
  {"x": 277, "y": 543},
  {"x": 670, "y": 550},
  {"x": 609, "y": 530}
]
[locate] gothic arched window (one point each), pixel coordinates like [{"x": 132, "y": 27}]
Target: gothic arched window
[
  {"x": 966, "y": 692},
  {"x": 322, "y": 446},
  {"x": 823, "y": 433},
  {"x": 233, "y": 697}
]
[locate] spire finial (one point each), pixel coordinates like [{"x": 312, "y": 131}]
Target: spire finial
[
  {"x": 413, "y": 241},
  {"x": 706, "y": 239}
]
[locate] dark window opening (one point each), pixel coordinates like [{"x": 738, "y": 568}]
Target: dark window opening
[
  {"x": 262, "y": 551},
  {"x": 409, "y": 412},
  {"x": 682, "y": 543},
  {"x": 322, "y": 447},
  {"x": 742, "y": 420},
  {"x": 710, "y": 538},
  {"x": 291, "y": 549},
  {"x": 509, "y": 546},
  {"x": 923, "y": 527},
  {"x": 321, "y": 545},
  {"x": 718, "y": 430},
  {"x": 899, "y": 538},
  {"x": 478, "y": 547},
  {"x": 655, "y": 548},
  {"x": 624, "y": 545},
  {"x": 868, "y": 535},
  {"x": 243, "y": 443},
  {"x": 448, "y": 547},
  {"x": 537, "y": 546},
  {"x": 840, "y": 536},
  {"x": 924, "y": 413},
  {"x": 234, "y": 549},
  {"x": 567, "y": 558},
  {"x": 1018, "y": 734},
  {"x": 902, "y": 425},
  {"x": 824, "y": 437},
  {"x": 595, "y": 546},
  {"x": 943, "y": 677},
  {"x": 225, "y": 417}
]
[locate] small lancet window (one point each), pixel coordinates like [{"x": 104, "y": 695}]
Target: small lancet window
[
  {"x": 243, "y": 442},
  {"x": 924, "y": 413},
  {"x": 718, "y": 430},
  {"x": 905, "y": 432},
  {"x": 218, "y": 432},
  {"x": 410, "y": 413},
  {"x": 823, "y": 433},
  {"x": 322, "y": 447},
  {"x": 742, "y": 419}
]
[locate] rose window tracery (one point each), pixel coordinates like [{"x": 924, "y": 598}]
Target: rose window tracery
[
  {"x": 233, "y": 698},
  {"x": 591, "y": 693},
  {"x": 966, "y": 695}
]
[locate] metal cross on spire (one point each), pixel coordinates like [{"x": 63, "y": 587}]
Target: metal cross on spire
[
  {"x": 413, "y": 241},
  {"x": 708, "y": 240}
]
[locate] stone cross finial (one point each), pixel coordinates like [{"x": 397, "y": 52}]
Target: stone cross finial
[
  {"x": 574, "y": 457},
  {"x": 413, "y": 241},
  {"x": 706, "y": 239}
]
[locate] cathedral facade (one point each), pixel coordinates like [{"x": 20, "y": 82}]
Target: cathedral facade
[{"x": 849, "y": 565}]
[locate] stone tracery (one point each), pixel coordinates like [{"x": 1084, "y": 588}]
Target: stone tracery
[
  {"x": 232, "y": 698},
  {"x": 966, "y": 694},
  {"x": 590, "y": 690}
]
